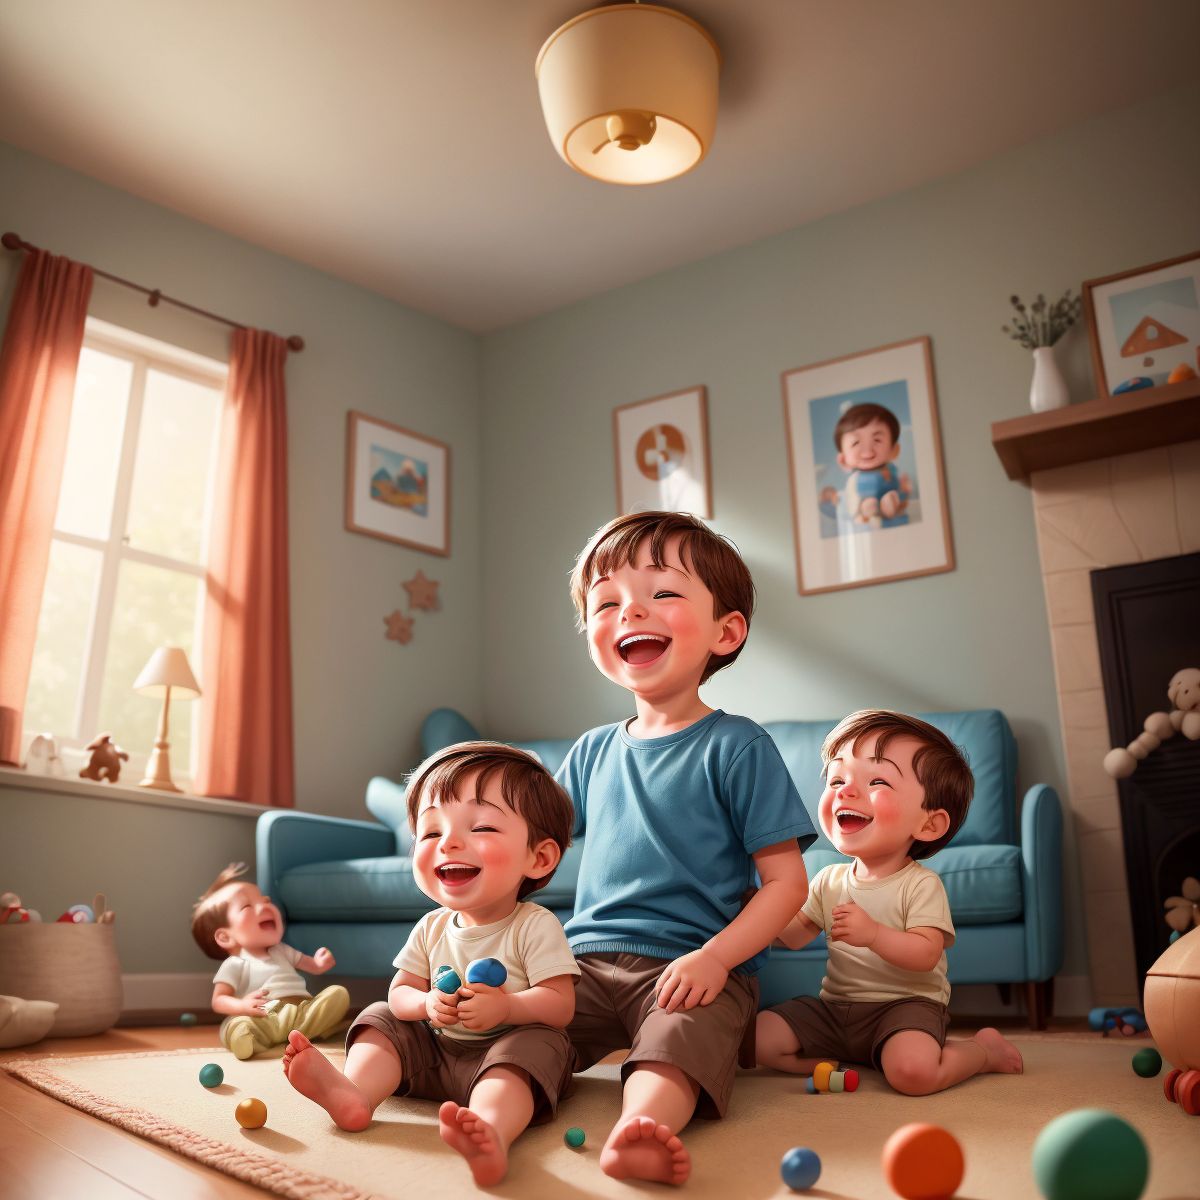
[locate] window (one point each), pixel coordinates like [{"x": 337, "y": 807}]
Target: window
[{"x": 127, "y": 558}]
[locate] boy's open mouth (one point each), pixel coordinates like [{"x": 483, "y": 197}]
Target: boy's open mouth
[
  {"x": 851, "y": 821},
  {"x": 456, "y": 873},
  {"x": 267, "y": 923},
  {"x": 639, "y": 649}
]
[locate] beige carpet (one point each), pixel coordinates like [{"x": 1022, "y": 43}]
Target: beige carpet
[{"x": 300, "y": 1154}]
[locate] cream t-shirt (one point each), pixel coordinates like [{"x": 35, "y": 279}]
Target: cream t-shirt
[
  {"x": 913, "y": 898},
  {"x": 529, "y": 942},
  {"x": 275, "y": 970}
]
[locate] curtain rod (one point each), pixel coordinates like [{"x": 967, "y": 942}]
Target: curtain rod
[{"x": 12, "y": 241}]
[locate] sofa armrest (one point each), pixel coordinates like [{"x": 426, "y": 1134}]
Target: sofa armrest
[
  {"x": 1041, "y": 857},
  {"x": 284, "y": 840}
]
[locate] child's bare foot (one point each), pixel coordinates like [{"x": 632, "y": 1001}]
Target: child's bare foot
[
  {"x": 475, "y": 1140},
  {"x": 314, "y": 1076},
  {"x": 640, "y": 1149},
  {"x": 1002, "y": 1056}
]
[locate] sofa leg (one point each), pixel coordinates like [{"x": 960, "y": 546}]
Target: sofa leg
[
  {"x": 1037, "y": 1003},
  {"x": 1005, "y": 990}
]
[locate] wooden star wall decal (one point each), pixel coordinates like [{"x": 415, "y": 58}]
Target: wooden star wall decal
[
  {"x": 423, "y": 593},
  {"x": 399, "y": 627}
]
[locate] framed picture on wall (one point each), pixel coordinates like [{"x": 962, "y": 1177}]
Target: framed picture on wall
[
  {"x": 661, "y": 451},
  {"x": 1144, "y": 323},
  {"x": 397, "y": 484},
  {"x": 865, "y": 459}
]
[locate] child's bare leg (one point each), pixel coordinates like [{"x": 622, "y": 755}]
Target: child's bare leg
[
  {"x": 658, "y": 1101},
  {"x": 777, "y": 1046},
  {"x": 373, "y": 1073},
  {"x": 501, "y": 1105},
  {"x": 914, "y": 1064}
]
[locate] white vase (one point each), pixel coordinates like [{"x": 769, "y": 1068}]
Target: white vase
[{"x": 1049, "y": 388}]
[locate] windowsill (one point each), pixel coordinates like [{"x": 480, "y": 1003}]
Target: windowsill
[{"x": 12, "y": 777}]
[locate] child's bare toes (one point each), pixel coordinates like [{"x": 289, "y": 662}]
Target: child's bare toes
[
  {"x": 640, "y": 1149},
  {"x": 475, "y": 1140},
  {"x": 1002, "y": 1056}
]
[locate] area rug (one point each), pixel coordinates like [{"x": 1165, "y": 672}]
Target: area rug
[{"x": 300, "y": 1154}]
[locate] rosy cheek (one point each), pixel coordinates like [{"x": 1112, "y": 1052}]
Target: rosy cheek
[{"x": 493, "y": 852}]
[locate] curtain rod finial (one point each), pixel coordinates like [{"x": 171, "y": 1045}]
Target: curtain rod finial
[
  {"x": 295, "y": 342},
  {"x": 11, "y": 241}
]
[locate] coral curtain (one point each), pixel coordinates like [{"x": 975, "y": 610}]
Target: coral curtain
[
  {"x": 246, "y": 750},
  {"x": 38, "y": 363}
]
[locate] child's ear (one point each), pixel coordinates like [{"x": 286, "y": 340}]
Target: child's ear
[
  {"x": 224, "y": 938},
  {"x": 841, "y": 461},
  {"x": 933, "y": 826},
  {"x": 734, "y": 628},
  {"x": 546, "y": 856},
  {"x": 895, "y": 454}
]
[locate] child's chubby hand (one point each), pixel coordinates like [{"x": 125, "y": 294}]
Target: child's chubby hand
[
  {"x": 254, "y": 1004},
  {"x": 324, "y": 959},
  {"x": 853, "y": 925},
  {"x": 692, "y": 979},
  {"x": 440, "y": 1008},
  {"x": 481, "y": 1007}
]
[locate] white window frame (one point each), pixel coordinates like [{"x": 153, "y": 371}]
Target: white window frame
[{"x": 143, "y": 353}]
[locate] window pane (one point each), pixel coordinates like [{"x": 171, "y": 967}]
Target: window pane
[
  {"x": 170, "y": 479},
  {"x": 154, "y": 607},
  {"x": 85, "y": 500},
  {"x": 53, "y": 697}
]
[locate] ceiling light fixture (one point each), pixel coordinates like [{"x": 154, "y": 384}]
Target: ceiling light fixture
[{"x": 629, "y": 92}]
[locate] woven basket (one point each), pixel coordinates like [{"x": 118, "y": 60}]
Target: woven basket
[{"x": 76, "y": 966}]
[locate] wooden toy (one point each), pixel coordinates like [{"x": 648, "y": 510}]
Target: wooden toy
[
  {"x": 923, "y": 1162},
  {"x": 422, "y": 593},
  {"x": 1147, "y": 1062},
  {"x": 810, "y": 1087},
  {"x": 574, "y": 1137},
  {"x": 820, "y": 1075},
  {"x": 1183, "y": 692},
  {"x": 106, "y": 759},
  {"x": 1090, "y": 1154},
  {"x": 837, "y": 1081},
  {"x": 399, "y": 627},
  {"x": 489, "y": 971},
  {"x": 212, "y": 1075},
  {"x": 1172, "y": 999},
  {"x": 800, "y": 1168},
  {"x": 251, "y": 1113},
  {"x": 851, "y": 1080}
]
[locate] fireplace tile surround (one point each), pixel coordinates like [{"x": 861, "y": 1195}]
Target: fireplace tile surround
[{"x": 1108, "y": 512}]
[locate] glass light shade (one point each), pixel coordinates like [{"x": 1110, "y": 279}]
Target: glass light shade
[
  {"x": 629, "y": 92},
  {"x": 168, "y": 667}
]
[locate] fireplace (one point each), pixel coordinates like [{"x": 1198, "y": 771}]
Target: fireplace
[{"x": 1148, "y": 627}]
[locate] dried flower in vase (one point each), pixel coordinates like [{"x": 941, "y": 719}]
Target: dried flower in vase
[{"x": 1042, "y": 323}]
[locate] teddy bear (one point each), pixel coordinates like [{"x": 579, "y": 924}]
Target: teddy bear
[
  {"x": 106, "y": 759},
  {"x": 1183, "y": 692}
]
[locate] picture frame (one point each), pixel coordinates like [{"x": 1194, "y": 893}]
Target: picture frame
[
  {"x": 661, "y": 454},
  {"x": 397, "y": 484},
  {"x": 1144, "y": 322},
  {"x": 857, "y": 523}
]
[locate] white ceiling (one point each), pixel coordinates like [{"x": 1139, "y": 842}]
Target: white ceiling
[{"x": 399, "y": 144}]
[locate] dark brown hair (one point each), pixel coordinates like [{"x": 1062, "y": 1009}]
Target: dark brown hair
[
  {"x": 211, "y": 911},
  {"x": 859, "y": 415},
  {"x": 527, "y": 787},
  {"x": 940, "y": 765},
  {"x": 713, "y": 558}
]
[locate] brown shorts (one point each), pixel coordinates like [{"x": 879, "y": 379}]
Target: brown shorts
[
  {"x": 856, "y": 1031},
  {"x": 436, "y": 1066},
  {"x": 616, "y": 1007}
]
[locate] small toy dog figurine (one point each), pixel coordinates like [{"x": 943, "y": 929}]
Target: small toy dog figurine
[{"x": 106, "y": 759}]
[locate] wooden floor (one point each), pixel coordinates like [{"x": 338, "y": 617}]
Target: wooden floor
[{"x": 50, "y": 1151}]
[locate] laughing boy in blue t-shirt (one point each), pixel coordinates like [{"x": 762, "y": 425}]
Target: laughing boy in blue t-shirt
[{"x": 680, "y": 805}]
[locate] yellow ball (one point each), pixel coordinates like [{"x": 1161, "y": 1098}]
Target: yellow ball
[{"x": 251, "y": 1113}]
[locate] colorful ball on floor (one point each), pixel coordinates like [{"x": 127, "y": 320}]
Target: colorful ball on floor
[
  {"x": 188, "y": 1019},
  {"x": 574, "y": 1137},
  {"x": 1090, "y": 1154},
  {"x": 923, "y": 1162},
  {"x": 211, "y": 1075},
  {"x": 251, "y": 1113},
  {"x": 800, "y": 1168},
  {"x": 1147, "y": 1063}
]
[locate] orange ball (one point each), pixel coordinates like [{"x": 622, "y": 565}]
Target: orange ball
[
  {"x": 251, "y": 1113},
  {"x": 923, "y": 1162}
]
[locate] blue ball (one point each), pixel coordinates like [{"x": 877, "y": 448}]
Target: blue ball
[
  {"x": 188, "y": 1019},
  {"x": 800, "y": 1168},
  {"x": 490, "y": 971},
  {"x": 447, "y": 980},
  {"x": 211, "y": 1075}
]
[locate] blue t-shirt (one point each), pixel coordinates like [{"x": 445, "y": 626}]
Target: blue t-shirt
[{"x": 669, "y": 826}]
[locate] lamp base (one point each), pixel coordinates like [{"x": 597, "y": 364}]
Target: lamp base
[{"x": 158, "y": 770}]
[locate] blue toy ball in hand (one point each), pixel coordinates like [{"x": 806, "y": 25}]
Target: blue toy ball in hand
[
  {"x": 489, "y": 971},
  {"x": 447, "y": 980},
  {"x": 800, "y": 1168}
]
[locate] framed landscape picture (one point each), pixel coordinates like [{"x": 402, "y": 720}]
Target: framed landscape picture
[
  {"x": 397, "y": 484},
  {"x": 865, "y": 460},
  {"x": 661, "y": 451}
]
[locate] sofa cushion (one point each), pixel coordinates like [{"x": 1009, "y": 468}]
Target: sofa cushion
[{"x": 386, "y": 802}]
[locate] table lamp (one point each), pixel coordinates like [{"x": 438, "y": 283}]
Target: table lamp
[{"x": 168, "y": 670}]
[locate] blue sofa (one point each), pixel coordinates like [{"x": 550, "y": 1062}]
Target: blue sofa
[{"x": 349, "y": 885}]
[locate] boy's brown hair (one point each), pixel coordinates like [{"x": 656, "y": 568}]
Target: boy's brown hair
[
  {"x": 859, "y": 415},
  {"x": 940, "y": 765},
  {"x": 211, "y": 911},
  {"x": 713, "y": 558},
  {"x": 527, "y": 787}
]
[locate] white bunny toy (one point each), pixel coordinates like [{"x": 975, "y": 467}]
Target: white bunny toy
[{"x": 1184, "y": 694}]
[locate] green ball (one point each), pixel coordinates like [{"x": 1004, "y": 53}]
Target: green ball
[
  {"x": 187, "y": 1018},
  {"x": 1090, "y": 1154},
  {"x": 574, "y": 1137},
  {"x": 1147, "y": 1063},
  {"x": 211, "y": 1075}
]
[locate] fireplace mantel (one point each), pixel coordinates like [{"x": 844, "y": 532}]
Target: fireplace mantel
[{"x": 1100, "y": 428}]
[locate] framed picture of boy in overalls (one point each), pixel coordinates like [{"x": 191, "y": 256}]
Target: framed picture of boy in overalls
[{"x": 865, "y": 459}]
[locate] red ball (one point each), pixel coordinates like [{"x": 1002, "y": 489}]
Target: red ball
[{"x": 923, "y": 1162}]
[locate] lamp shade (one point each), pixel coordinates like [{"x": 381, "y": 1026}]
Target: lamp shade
[
  {"x": 168, "y": 668},
  {"x": 629, "y": 92}
]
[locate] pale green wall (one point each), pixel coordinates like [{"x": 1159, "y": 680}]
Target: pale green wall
[
  {"x": 358, "y": 699},
  {"x": 940, "y": 260}
]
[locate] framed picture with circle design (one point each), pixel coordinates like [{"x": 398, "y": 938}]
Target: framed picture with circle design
[{"x": 661, "y": 453}]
